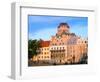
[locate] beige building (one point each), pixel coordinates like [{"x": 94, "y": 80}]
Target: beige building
[
  {"x": 64, "y": 47},
  {"x": 44, "y": 52}
]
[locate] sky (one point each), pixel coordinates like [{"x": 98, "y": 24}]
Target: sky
[{"x": 43, "y": 27}]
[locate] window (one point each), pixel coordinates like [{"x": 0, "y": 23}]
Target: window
[
  {"x": 73, "y": 51},
  {"x": 59, "y": 43},
  {"x": 57, "y": 48},
  {"x": 55, "y": 44},
  {"x": 62, "y": 43},
  {"x": 60, "y": 48},
  {"x": 52, "y": 44},
  {"x": 54, "y": 48}
]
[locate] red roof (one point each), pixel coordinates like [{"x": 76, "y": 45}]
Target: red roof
[{"x": 44, "y": 43}]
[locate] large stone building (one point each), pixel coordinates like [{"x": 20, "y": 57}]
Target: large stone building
[{"x": 64, "y": 47}]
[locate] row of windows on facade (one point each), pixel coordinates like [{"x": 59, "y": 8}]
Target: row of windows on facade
[
  {"x": 79, "y": 42},
  {"x": 75, "y": 53},
  {"x": 73, "y": 50},
  {"x": 68, "y": 47},
  {"x": 54, "y": 44},
  {"x": 56, "y": 48},
  {"x": 45, "y": 53},
  {"x": 58, "y": 52},
  {"x": 44, "y": 57},
  {"x": 59, "y": 48},
  {"x": 44, "y": 49},
  {"x": 82, "y": 41},
  {"x": 51, "y": 48},
  {"x": 73, "y": 47},
  {"x": 56, "y": 56},
  {"x": 69, "y": 53}
]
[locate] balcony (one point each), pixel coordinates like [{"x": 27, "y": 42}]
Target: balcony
[{"x": 62, "y": 50}]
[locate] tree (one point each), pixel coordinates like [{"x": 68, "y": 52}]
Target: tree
[
  {"x": 84, "y": 59},
  {"x": 33, "y": 46}
]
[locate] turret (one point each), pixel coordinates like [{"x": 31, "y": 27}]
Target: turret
[{"x": 63, "y": 28}]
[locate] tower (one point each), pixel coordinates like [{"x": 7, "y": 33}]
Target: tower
[{"x": 63, "y": 28}]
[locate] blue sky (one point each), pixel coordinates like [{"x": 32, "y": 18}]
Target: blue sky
[{"x": 43, "y": 27}]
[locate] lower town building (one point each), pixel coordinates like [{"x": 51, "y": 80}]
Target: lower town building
[
  {"x": 58, "y": 54},
  {"x": 64, "y": 47},
  {"x": 44, "y": 52}
]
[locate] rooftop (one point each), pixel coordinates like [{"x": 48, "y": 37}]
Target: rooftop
[
  {"x": 44, "y": 43},
  {"x": 63, "y": 24}
]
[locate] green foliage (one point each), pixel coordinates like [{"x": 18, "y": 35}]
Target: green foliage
[
  {"x": 33, "y": 46},
  {"x": 84, "y": 59}
]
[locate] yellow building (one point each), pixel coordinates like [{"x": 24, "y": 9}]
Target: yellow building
[{"x": 44, "y": 52}]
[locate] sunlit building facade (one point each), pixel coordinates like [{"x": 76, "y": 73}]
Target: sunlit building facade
[
  {"x": 66, "y": 47},
  {"x": 44, "y": 52},
  {"x": 63, "y": 47}
]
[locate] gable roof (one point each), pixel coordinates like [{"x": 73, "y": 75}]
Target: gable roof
[{"x": 44, "y": 43}]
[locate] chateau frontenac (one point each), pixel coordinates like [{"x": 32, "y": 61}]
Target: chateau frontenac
[{"x": 63, "y": 47}]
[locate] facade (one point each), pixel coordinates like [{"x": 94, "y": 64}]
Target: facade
[
  {"x": 44, "y": 52},
  {"x": 64, "y": 47}
]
